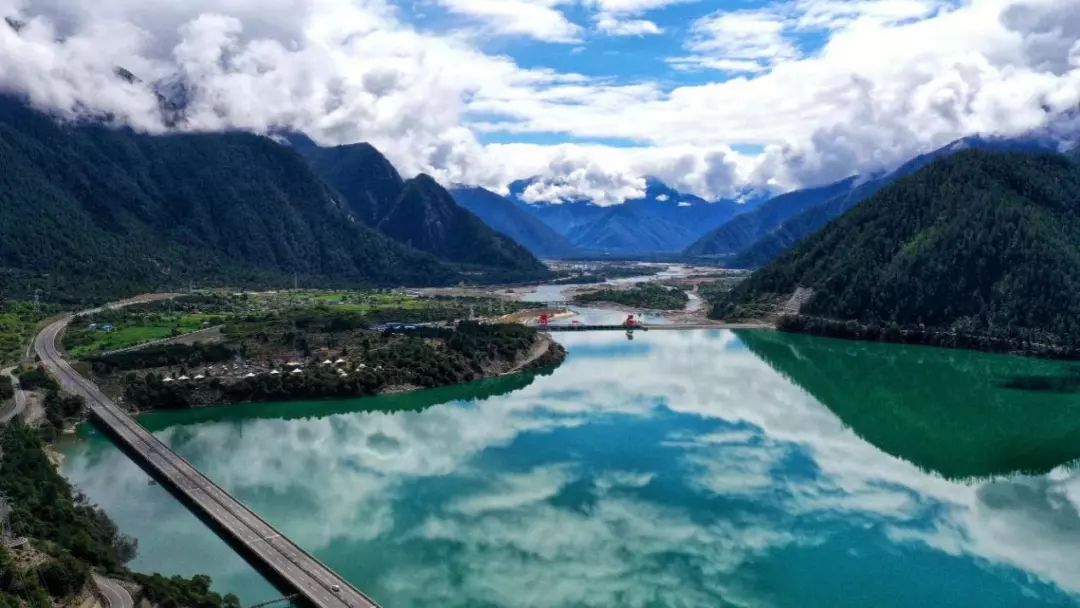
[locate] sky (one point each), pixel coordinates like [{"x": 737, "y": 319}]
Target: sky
[{"x": 721, "y": 98}]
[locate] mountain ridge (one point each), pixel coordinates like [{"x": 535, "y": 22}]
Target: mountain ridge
[
  {"x": 978, "y": 243},
  {"x": 511, "y": 220},
  {"x": 88, "y": 209},
  {"x": 668, "y": 220},
  {"x": 418, "y": 212},
  {"x": 756, "y": 238}
]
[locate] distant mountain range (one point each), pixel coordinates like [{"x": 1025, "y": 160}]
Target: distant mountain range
[
  {"x": 664, "y": 220},
  {"x": 976, "y": 242},
  {"x": 417, "y": 212},
  {"x": 755, "y": 238},
  {"x": 515, "y": 222}
]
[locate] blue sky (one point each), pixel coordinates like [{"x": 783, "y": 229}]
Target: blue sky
[
  {"x": 714, "y": 97},
  {"x": 624, "y": 59}
]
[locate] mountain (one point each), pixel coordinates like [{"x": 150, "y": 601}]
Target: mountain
[
  {"x": 513, "y": 221},
  {"x": 754, "y": 238},
  {"x": 418, "y": 212},
  {"x": 691, "y": 213},
  {"x": 367, "y": 180},
  {"x": 746, "y": 229},
  {"x": 87, "y": 210},
  {"x": 978, "y": 243},
  {"x": 425, "y": 216},
  {"x": 625, "y": 229},
  {"x": 663, "y": 220}
]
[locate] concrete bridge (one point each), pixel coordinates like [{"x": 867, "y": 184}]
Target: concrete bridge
[
  {"x": 250, "y": 534},
  {"x": 665, "y": 327}
]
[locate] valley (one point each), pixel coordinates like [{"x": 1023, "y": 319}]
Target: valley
[{"x": 643, "y": 303}]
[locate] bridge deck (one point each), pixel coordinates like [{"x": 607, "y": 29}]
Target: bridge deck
[
  {"x": 257, "y": 539},
  {"x": 667, "y": 327}
]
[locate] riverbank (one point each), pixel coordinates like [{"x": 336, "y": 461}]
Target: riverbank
[
  {"x": 413, "y": 360},
  {"x": 924, "y": 336},
  {"x": 583, "y": 466}
]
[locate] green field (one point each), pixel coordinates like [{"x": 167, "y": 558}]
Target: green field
[
  {"x": 247, "y": 312},
  {"x": 131, "y": 330},
  {"x": 18, "y": 322}
]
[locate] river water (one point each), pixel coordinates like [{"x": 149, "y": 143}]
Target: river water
[
  {"x": 703, "y": 468},
  {"x": 595, "y": 315}
]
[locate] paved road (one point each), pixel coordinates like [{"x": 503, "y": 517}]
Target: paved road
[
  {"x": 115, "y": 595},
  {"x": 647, "y": 327},
  {"x": 250, "y": 533},
  {"x": 18, "y": 404}
]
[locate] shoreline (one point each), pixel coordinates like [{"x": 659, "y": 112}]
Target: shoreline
[
  {"x": 929, "y": 337},
  {"x": 552, "y": 355}
]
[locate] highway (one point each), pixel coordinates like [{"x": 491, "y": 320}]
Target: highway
[
  {"x": 115, "y": 595},
  {"x": 18, "y": 404},
  {"x": 248, "y": 532}
]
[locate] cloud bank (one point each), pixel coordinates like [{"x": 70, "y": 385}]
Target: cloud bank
[{"x": 783, "y": 95}]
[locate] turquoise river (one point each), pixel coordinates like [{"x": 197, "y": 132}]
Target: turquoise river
[{"x": 702, "y": 468}]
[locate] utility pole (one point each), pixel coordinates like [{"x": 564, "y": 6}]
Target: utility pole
[
  {"x": 295, "y": 282},
  {"x": 37, "y": 300}
]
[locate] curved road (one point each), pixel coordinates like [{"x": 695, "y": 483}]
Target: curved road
[
  {"x": 115, "y": 595},
  {"x": 250, "y": 533}
]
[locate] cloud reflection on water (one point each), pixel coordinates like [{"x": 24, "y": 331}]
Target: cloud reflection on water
[{"x": 734, "y": 462}]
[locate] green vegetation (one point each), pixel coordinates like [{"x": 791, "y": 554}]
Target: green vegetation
[
  {"x": 715, "y": 291},
  {"x": 647, "y": 295},
  {"x": 88, "y": 213},
  {"x": 18, "y": 322},
  {"x": 59, "y": 407},
  {"x": 20, "y": 587},
  {"x": 419, "y": 212},
  {"x": 978, "y": 249},
  {"x": 387, "y": 340},
  {"x": 115, "y": 329},
  {"x": 421, "y": 357},
  {"x": 86, "y": 340},
  {"x": 72, "y": 537},
  {"x": 46, "y": 508},
  {"x": 36, "y": 378},
  {"x": 7, "y": 390},
  {"x": 603, "y": 274},
  {"x": 178, "y": 592}
]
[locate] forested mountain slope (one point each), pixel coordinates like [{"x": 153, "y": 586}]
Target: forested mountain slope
[
  {"x": 746, "y": 229},
  {"x": 419, "y": 212},
  {"x": 979, "y": 243},
  {"x": 754, "y": 239},
  {"x": 86, "y": 210},
  {"x": 425, "y": 216}
]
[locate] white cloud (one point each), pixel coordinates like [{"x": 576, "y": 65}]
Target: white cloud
[
  {"x": 834, "y": 14},
  {"x": 634, "y": 6},
  {"x": 539, "y": 19},
  {"x": 869, "y": 94},
  {"x": 515, "y": 491},
  {"x": 513, "y": 540},
  {"x": 612, "y": 25},
  {"x": 747, "y": 37}
]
